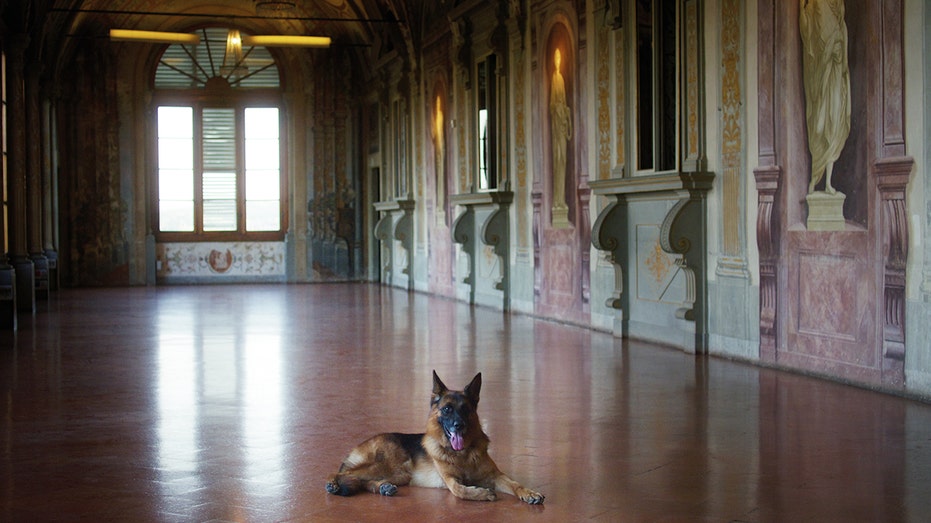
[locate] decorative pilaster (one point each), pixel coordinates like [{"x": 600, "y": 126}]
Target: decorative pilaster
[
  {"x": 768, "y": 176},
  {"x": 892, "y": 170},
  {"x": 34, "y": 182},
  {"x": 892, "y": 179}
]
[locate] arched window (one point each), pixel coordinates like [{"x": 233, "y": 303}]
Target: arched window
[{"x": 219, "y": 142}]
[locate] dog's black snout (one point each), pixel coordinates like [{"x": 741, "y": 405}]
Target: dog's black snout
[{"x": 458, "y": 424}]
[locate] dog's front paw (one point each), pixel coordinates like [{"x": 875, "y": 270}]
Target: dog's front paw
[
  {"x": 531, "y": 497},
  {"x": 387, "y": 489},
  {"x": 333, "y": 487}
]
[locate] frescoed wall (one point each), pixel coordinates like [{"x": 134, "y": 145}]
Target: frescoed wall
[{"x": 676, "y": 171}]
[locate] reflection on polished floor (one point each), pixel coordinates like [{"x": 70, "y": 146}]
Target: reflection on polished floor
[{"x": 234, "y": 403}]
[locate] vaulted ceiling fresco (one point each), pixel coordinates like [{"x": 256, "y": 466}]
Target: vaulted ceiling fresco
[{"x": 371, "y": 27}]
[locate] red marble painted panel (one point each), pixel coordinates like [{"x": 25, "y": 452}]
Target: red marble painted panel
[
  {"x": 441, "y": 261},
  {"x": 828, "y": 298},
  {"x": 834, "y": 311},
  {"x": 560, "y": 293}
]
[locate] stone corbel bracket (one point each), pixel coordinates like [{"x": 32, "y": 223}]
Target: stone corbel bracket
[
  {"x": 463, "y": 235},
  {"x": 609, "y": 234},
  {"x": 495, "y": 234},
  {"x": 676, "y": 237},
  {"x": 892, "y": 175},
  {"x": 401, "y": 229},
  {"x": 767, "y": 236},
  {"x": 383, "y": 234},
  {"x": 494, "y": 231}
]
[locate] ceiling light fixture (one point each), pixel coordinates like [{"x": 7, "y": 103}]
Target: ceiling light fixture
[
  {"x": 234, "y": 41},
  {"x": 233, "y": 59},
  {"x": 158, "y": 37},
  {"x": 286, "y": 41}
]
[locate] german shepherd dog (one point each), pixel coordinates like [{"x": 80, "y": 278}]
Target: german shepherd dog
[{"x": 452, "y": 453}]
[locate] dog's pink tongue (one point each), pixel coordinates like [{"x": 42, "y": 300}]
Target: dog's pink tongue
[{"x": 455, "y": 439}]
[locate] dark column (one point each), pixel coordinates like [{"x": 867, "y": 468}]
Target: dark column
[
  {"x": 50, "y": 188},
  {"x": 34, "y": 181},
  {"x": 7, "y": 277},
  {"x": 16, "y": 167}
]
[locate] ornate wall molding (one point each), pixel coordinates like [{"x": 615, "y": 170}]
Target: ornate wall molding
[{"x": 731, "y": 126}]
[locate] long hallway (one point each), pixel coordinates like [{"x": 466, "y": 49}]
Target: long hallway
[{"x": 234, "y": 403}]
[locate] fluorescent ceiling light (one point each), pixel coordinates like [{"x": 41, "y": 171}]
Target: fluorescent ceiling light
[
  {"x": 285, "y": 41},
  {"x": 161, "y": 37}
]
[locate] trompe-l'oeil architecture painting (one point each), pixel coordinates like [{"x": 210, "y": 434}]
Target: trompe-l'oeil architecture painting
[{"x": 745, "y": 179}]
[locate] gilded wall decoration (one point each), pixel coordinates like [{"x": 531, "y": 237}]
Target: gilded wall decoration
[
  {"x": 604, "y": 103},
  {"x": 462, "y": 155},
  {"x": 657, "y": 274},
  {"x": 438, "y": 137},
  {"x": 520, "y": 147},
  {"x": 658, "y": 263},
  {"x": 619, "y": 93},
  {"x": 731, "y": 139},
  {"x": 692, "y": 47}
]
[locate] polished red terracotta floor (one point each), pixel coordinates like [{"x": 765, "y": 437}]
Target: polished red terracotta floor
[{"x": 234, "y": 404}]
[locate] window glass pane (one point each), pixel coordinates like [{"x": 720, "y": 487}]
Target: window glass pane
[
  {"x": 262, "y": 185},
  {"x": 175, "y": 122},
  {"x": 219, "y": 186},
  {"x": 176, "y": 168},
  {"x": 262, "y": 122},
  {"x": 262, "y": 215},
  {"x": 176, "y": 184},
  {"x": 262, "y": 153},
  {"x": 219, "y": 176},
  {"x": 175, "y": 153},
  {"x": 219, "y": 201},
  {"x": 219, "y": 139},
  {"x": 219, "y": 215},
  {"x": 176, "y": 216},
  {"x": 644, "y": 17},
  {"x": 483, "y": 149},
  {"x": 263, "y": 208}
]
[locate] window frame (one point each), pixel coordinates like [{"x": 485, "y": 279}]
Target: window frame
[
  {"x": 664, "y": 93},
  {"x": 486, "y": 176},
  {"x": 239, "y": 101}
]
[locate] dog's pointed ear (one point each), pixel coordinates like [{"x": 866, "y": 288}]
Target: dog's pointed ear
[
  {"x": 473, "y": 388},
  {"x": 438, "y": 388}
]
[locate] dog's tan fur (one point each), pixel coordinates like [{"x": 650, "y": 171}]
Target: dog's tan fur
[{"x": 382, "y": 463}]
